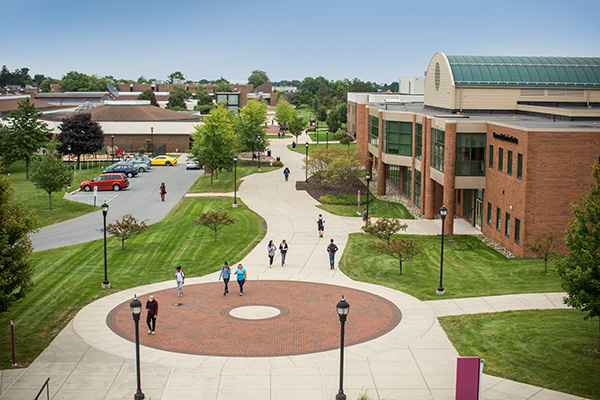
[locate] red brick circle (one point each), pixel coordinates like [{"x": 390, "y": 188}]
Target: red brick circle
[{"x": 308, "y": 321}]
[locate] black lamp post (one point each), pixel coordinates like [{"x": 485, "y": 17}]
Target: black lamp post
[
  {"x": 258, "y": 150},
  {"x": 234, "y": 181},
  {"x": 152, "y": 139},
  {"x": 69, "y": 160},
  {"x": 105, "y": 284},
  {"x": 136, "y": 310},
  {"x": 342, "y": 308},
  {"x": 112, "y": 145},
  {"x": 317, "y": 128},
  {"x": 327, "y": 139},
  {"x": 306, "y": 164},
  {"x": 443, "y": 212},
  {"x": 368, "y": 178}
]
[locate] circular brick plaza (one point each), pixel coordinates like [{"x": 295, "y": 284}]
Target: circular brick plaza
[{"x": 304, "y": 319}]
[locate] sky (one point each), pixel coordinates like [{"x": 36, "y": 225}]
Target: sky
[{"x": 376, "y": 41}]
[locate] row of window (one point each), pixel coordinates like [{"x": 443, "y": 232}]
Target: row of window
[
  {"x": 509, "y": 161},
  {"x": 507, "y": 221}
]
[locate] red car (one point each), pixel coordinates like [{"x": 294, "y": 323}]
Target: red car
[{"x": 114, "y": 182}]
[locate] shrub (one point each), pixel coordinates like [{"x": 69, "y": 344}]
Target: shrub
[{"x": 277, "y": 163}]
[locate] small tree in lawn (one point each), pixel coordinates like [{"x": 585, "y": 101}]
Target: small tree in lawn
[
  {"x": 333, "y": 122},
  {"x": 384, "y": 228},
  {"x": 214, "y": 220},
  {"x": 543, "y": 246},
  {"x": 126, "y": 228},
  {"x": 401, "y": 249},
  {"x": 50, "y": 174},
  {"x": 580, "y": 269}
]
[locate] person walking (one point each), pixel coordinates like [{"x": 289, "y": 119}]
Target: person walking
[
  {"x": 271, "y": 249},
  {"x": 241, "y": 276},
  {"x": 286, "y": 173},
  {"x": 180, "y": 279},
  {"x": 152, "y": 309},
  {"x": 331, "y": 249},
  {"x": 365, "y": 217},
  {"x": 162, "y": 190},
  {"x": 321, "y": 225},
  {"x": 225, "y": 274},
  {"x": 283, "y": 248}
]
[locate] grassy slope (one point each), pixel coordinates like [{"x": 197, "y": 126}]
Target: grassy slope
[{"x": 224, "y": 182}]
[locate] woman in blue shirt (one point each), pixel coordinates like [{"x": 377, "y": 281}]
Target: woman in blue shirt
[
  {"x": 225, "y": 274},
  {"x": 241, "y": 277}
]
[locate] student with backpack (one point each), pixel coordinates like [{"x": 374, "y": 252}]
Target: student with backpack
[{"x": 331, "y": 249}]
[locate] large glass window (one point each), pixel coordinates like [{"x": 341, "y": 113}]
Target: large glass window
[
  {"x": 507, "y": 225},
  {"x": 374, "y": 129},
  {"x": 418, "y": 141},
  {"x": 398, "y": 138},
  {"x": 498, "y": 218},
  {"x": 509, "y": 162},
  {"x": 489, "y": 214},
  {"x": 417, "y": 188},
  {"x": 517, "y": 230},
  {"x": 500, "y": 159},
  {"x": 491, "y": 156},
  {"x": 438, "y": 140},
  {"x": 468, "y": 205},
  {"x": 393, "y": 175},
  {"x": 519, "y": 168},
  {"x": 406, "y": 189},
  {"x": 470, "y": 154}
]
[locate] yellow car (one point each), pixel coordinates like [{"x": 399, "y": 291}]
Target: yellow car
[{"x": 163, "y": 160}]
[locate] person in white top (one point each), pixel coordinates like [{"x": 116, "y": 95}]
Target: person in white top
[{"x": 180, "y": 278}]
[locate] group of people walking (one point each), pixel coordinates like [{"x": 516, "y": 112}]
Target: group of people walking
[
  {"x": 240, "y": 274},
  {"x": 271, "y": 250}
]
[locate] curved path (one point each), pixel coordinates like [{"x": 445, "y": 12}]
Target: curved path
[{"x": 414, "y": 360}]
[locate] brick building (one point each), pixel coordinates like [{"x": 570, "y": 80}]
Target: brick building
[{"x": 503, "y": 142}]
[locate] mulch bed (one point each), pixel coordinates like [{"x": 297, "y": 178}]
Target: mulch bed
[{"x": 315, "y": 190}]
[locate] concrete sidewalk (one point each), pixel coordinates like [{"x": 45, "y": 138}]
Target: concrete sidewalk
[{"x": 415, "y": 360}]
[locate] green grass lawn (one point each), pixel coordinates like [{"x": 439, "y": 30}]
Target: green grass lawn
[
  {"x": 377, "y": 208},
  {"x": 301, "y": 148},
  {"x": 67, "y": 279},
  {"x": 224, "y": 182},
  {"x": 470, "y": 269},
  {"x": 548, "y": 348}
]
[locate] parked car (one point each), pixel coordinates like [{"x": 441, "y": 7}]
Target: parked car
[
  {"x": 164, "y": 160},
  {"x": 141, "y": 158},
  {"x": 141, "y": 166},
  {"x": 114, "y": 182},
  {"x": 127, "y": 170},
  {"x": 192, "y": 164}
]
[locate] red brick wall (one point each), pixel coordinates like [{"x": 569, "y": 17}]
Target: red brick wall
[
  {"x": 449, "y": 176},
  {"x": 135, "y": 142},
  {"x": 362, "y": 134}
]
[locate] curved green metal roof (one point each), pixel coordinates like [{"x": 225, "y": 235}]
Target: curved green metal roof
[{"x": 560, "y": 72}]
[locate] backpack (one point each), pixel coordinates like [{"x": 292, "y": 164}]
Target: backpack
[{"x": 332, "y": 248}]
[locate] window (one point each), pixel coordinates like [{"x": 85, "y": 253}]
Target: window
[
  {"x": 519, "y": 167},
  {"x": 468, "y": 205},
  {"x": 398, "y": 138},
  {"x": 417, "y": 188},
  {"x": 418, "y": 141},
  {"x": 500, "y": 159},
  {"x": 470, "y": 154},
  {"x": 438, "y": 138},
  {"x": 498, "y": 218},
  {"x": 507, "y": 225},
  {"x": 489, "y": 214},
  {"x": 458, "y": 192},
  {"x": 374, "y": 129},
  {"x": 407, "y": 184},
  {"x": 491, "y": 157},
  {"x": 517, "y": 230},
  {"x": 509, "y": 163},
  {"x": 393, "y": 175}
]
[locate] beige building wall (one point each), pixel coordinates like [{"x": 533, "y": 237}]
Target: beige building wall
[{"x": 441, "y": 95}]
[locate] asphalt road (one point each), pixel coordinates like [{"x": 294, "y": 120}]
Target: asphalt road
[{"x": 141, "y": 199}]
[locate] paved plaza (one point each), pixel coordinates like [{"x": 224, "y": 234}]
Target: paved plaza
[{"x": 280, "y": 339}]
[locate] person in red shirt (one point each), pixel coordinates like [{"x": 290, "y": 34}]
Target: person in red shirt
[{"x": 152, "y": 308}]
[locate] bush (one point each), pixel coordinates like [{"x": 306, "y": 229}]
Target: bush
[{"x": 277, "y": 163}]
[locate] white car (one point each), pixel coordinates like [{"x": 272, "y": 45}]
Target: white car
[{"x": 192, "y": 164}]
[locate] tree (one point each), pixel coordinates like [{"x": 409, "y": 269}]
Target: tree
[
  {"x": 50, "y": 174},
  {"x": 580, "y": 269},
  {"x": 333, "y": 122},
  {"x": 342, "y": 110},
  {"x": 45, "y": 85},
  {"x": 75, "y": 81},
  {"x": 358, "y": 86},
  {"x": 24, "y": 135},
  {"x": 250, "y": 124},
  {"x": 177, "y": 102},
  {"x": 16, "y": 224},
  {"x": 284, "y": 112},
  {"x": 20, "y": 77},
  {"x": 322, "y": 114},
  {"x": 205, "y": 101},
  {"x": 215, "y": 142},
  {"x": 223, "y": 86},
  {"x": 38, "y": 79},
  {"x": 178, "y": 89},
  {"x": 81, "y": 133},
  {"x": 296, "y": 125},
  {"x": 258, "y": 77},
  {"x": 346, "y": 140},
  {"x": 543, "y": 246},
  {"x": 401, "y": 249},
  {"x": 148, "y": 94},
  {"x": 175, "y": 75},
  {"x": 214, "y": 220},
  {"x": 384, "y": 228},
  {"x": 126, "y": 228},
  {"x": 335, "y": 167}
]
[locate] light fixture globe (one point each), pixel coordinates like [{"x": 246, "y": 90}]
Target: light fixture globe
[
  {"x": 235, "y": 158},
  {"x": 368, "y": 176},
  {"x": 443, "y": 211},
  {"x": 104, "y": 207},
  {"x": 343, "y": 307},
  {"x": 136, "y": 307}
]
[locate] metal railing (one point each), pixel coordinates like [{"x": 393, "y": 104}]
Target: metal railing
[{"x": 47, "y": 386}]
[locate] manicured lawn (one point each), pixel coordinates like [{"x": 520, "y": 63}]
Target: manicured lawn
[
  {"x": 67, "y": 279},
  {"x": 36, "y": 199},
  {"x": 377, "y": 208},
  {"x": 224, "y": 182},
  {"x": 301, "y": 148},
  {"x": 470, "y": 269},
  {"x": 548, "y": 348}
]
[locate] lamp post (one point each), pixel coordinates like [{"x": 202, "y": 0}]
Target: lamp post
[
  {"x": 152, "y": 139},
  {"x": 306, "y": 164},
  {"x": 136, "y": 310},
  {"x": 443, "y": 212},
  {"x": 105, "y": 284},
  {"x": 342, "y": 308},
  {"x": 368, "y": 178},
  {"x": 69, "y": 160},
  {"x": 317, "y": 128},
  {"x": 112, "y": 145},
  {"x": 258, "y": 150},
  {"x": 327, "y": 139},
  {"x": 235, "y": 181}
]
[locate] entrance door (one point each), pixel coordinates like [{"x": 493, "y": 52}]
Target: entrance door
[{"x": 478, "y": 213}]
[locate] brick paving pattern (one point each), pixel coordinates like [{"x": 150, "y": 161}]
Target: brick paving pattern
[{"x": 307, "y": 323}]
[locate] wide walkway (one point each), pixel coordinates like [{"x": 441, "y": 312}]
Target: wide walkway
[{"x": 414, "y": 360}]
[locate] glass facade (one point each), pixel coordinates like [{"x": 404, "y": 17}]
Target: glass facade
[
  {"x": 398, "y": 138},
  {"x": 407, "y": 183},
  {"x": 417, "y": 188},
  {"x": 418, "y": 141},
  {"x": 470, "y": 154},
  {"x": 519, "y": 166},
  {"x": 374, "y": 131},
  {"x": 517, "y": 231},
  {"x": 489, "y": 214},
  {"x": 393, "y": 175},
  {"x": 507, "y": 225},
  {"x": 500, "y": 159},
  {"x": 509, "y": 162},
  {"x": 438, "y": 140},
  {"x": 491, "y": 156},
  {"x": 498, "y": 218},
  {"x": 468, "y": 205}
]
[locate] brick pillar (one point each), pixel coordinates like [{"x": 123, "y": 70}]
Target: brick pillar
[
  {"x": 449, "y": 176},
  {"x": 381, "y": 175},
  {"x": 427, "y": 189},
  {"x": 414, "y": 145}
]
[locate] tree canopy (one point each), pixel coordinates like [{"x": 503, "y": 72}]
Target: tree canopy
[
  {"x": 223, "y": 86},
  {"x": 284, "y": 112},
  {"x": 178, "y": 89},
  {"x": 75, "y": 81},
  {"x": 175, "y": 75},
  {"x": 19, "y": 77},
  {"x": 126, "y": 228},
  {"x": 333, "y": 121},
  {"x": 205, "y": 101},
  {"x": 50, "y": 174},
  {"x": 148, "y": 94},
  {"x": 177, "y": 102},
  {"x": 258, "y": 77},
  {"x": 250, "y": 123},
  {"x": 81, "y": 133}
]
